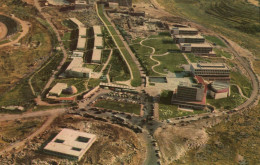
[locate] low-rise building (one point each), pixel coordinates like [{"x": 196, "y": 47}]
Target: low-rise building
[
  {"x": 188, "y": 39},
  {"x": 184, "y": 31},
  {"x": 80, "y": 4},
  {"x": 211, "y": 71},
  {"x": 219, "y": 90},
  {"x": 81, "y": 43},
  {"x": 77, "y": 54},
  {"x": 57, "y": 89},
  {"x": 76, "y": 69},
  {"x": 98, "y": 43},
  {"x": 126, "y": 3},
  {"x": 190, "y": 96},
  {"x": 96, "y": 56},
  {"x": 97, "y": 30},
  {"x": 203, "y": 48},
  {"x": 81, "y": 27},
  {"x": 70, "y": 143}
]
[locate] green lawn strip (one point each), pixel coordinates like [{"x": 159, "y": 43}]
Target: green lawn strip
[
  {"x": 91, "y": 66},
  {"x": 143, "y": 55},
  {"x": 45, "y": 108},
  {"x": 234, "y": 100},
  {"x": 79, "y": 83},
  {"x": 93, "y": 83},
  {"x": 105, "y": 55},
  {"x": 161, "y": 44},
  {"x": 215, "y": 40},
  {"x": 119, "y": 70},
  {"x": 242, "y": 81},
  {"x": 172, "y": 62},
  {"x": 41, "y": 78},
  {"x": 194, "y": 59},
  {"x": 221, "y": 53},
  {"x": 119, "y": 106},
  {"x": 136, "y": 74}
]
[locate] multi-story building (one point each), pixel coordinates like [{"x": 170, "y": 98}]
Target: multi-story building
[
  {"x": 76, "y": 69},
  {"x": 184, "y": 31},
  {"x": 188, "y": 39},
  {"x": 211, "y": 71},
  {"x": 190, "y": 96},
  {"x": 203, "y": 48},
  {"x": 96, "y": 56},
  {"x": 219, "y": 90}
]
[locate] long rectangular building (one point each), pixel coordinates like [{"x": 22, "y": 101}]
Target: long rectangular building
[
  {"x": 203, "y": 48},
  {"x": 126, "y": 3},
  {"x": 76, "y": 69},
  {"x": 184, "y": 31},
  {"x": 98, "y": 43},
  {"x": 96, "y": 56},
  {"x": 211, "y": 71},
  {"x": 97, "y": 31},
  {"x": 188, "y": 39},
  {"x": 81, "y": 27}
]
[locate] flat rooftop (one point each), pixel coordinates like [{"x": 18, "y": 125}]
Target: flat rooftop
[
  {"x": 71, "y": 142},
  {"x": 98, "y": 41},
  {"x": 96, "y": 56},
  {"x": 205, "y": 44},
  {"x": 214, "y": 66},
  {"x": 75, "y": 63},
  {"x": 57, "y": 89},
  {"x": 81, "y": 43},
  {"x": 188, "y": 36},
  {"x": 81, "y": 27},
  {"x": 185, "y": 28},
  {"x": 97, "y": 30},
  {"x": 77, "y": 2}
]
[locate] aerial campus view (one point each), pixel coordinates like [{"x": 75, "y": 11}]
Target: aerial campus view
[{"x": 138, "y": 82}]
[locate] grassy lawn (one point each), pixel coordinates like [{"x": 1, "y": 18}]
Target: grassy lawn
[
  {"x": 172, "y": 62},
  {"x": 242, "y": 81},
  {"x": 93, "y": 83},
  {"x": 234, "y": 19},
  {"x": 142, "y": 54},
  {"x": 167, "y": 111},
  {"x": 136, "y": 74},
  {"x": 234, "y": 100},
  {"x": 119, "y": 70},
  {"x": 216, "y": 40},
  {"x": 162, "y": 44},
  {"x": 41, "y": 78},
  {"x": 222, "y": 53},
  {"x": 79, "y": 83},
  {"x": 119, "y": 106},
  {"x": 193, "y": 58}
]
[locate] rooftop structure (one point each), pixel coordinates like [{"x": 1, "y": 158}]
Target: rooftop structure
[
  {"x": 184, "y": 31},
  {"x": 219, "y": 90},
  {"x": 81, "y": 43},
  {"x": 58, "y": 2},
  {"x": 189, "y": 39},
  {"x": 200, "y": 48},
  {"x": 97, "y": 31},
  {"x": 96, "y": 56},
  {"x": 57, "y": 89},
  {"x": 211, "y": 71},
  {"x": 98, "y": 42},
  {"x": 70, "y": 143},
  {"x": 77, "y": 54},
  {"x": 113, "y": 86},
  {"x": 81, "y": 27},
  {"x": 76, "y": 69}
]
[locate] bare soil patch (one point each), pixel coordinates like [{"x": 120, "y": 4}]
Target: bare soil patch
[{"x": 3, "y": 31}]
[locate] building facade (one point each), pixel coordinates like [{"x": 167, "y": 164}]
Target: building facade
[
  {"x": 188, "y": 39},
  {"x": 203, "y": 48},
  {"x": 211, "y": 71},
  {"x": 126, "y": 3},
  {"x": 184, "y": 31}
]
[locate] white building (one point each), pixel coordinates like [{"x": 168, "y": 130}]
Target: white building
[
  {"x": 98, "y": 42},
  {"x": 70, "y": 143},
  {"x": 81, "y": 43},
  {"x": 97, "y": 31},
  {"x": 81, "y": 27},
  {"x": 96, "y": 56},
  {"x": 76, "y": 69},
  {"x": 184, "y": 31},
  {"x": 57, "y": 89}
]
